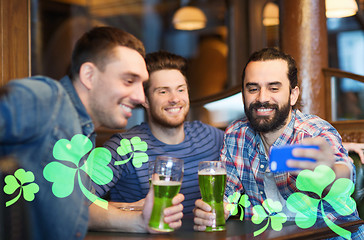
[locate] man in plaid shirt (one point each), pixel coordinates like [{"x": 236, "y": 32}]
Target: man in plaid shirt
[{"x": 270, "y": 93}]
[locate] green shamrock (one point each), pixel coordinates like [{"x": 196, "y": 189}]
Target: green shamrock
[
  {"x": 272, "y": 210},
  {"x": 339, "y": 197},
  {"x": 133, "y": 146},
  {"x": 234, "y": 204},
  {"x": 63, "y": 173},
  {"x": 26, "y": 185}
]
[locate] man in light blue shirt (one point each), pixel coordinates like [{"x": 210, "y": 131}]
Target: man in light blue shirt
[{"x": 107, "y": 75}]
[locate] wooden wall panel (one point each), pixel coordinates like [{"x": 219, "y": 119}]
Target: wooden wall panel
[
  {"x": 14, "y": 39},
  {"x": 350, "y": 131}
]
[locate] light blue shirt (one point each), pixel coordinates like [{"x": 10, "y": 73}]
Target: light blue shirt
[{"x": 36, "y": 113}]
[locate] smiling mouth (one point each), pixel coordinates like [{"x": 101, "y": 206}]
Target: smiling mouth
[
  {"x": 173, "y": 110},
  {"x": 264, "y": 111},
  {"x": 126, "y": 108}
]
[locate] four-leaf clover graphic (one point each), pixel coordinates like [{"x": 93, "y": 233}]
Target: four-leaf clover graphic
[
  {"x": 137, "y": 149},
  {"x": 27, "y": 185},
  {"x": 272, "y": 210},
  {"x": 339, "y": 197},
  {"x": 69, "y": 154},
  {"x": 234, "y": 204}
]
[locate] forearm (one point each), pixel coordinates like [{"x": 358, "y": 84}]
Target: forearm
[
  {"x": 114, "y": 219},
  {"x": 138, "y": 205},
  {"x": 342, "y": 170}
]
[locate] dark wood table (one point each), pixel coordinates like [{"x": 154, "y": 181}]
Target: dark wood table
[{"x": 235, "y": 229}]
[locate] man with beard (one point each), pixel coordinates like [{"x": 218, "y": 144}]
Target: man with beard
[
  {"x": 270, "y": 93},
  {"x": 166, "y": 133}
]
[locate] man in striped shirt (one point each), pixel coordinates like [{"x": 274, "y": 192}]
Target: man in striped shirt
[
  {"x": 166, "y": 133},
  {"x": 270, "y": 93}
]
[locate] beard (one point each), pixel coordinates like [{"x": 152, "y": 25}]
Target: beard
[
  {"x": 165, "y": 122},
  {"x": 105, "y": 116},
  {"x": 266, "y": 124}
]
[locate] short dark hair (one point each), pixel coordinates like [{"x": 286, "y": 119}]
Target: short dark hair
[
  {"x": 163, "y": 60},
  {"x": 274, "y": 54},
  {"x": 96, "y": 46}
]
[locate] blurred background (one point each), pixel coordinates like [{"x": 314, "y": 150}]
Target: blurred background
[{"x": 217, "y": 40}]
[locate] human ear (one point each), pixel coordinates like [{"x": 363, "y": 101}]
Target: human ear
[
  {"x": 295, "y": 92},
  {"x": 242, "y": 96},
  {"x": 87, "y": 74}
]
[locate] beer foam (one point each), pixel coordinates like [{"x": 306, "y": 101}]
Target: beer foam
[
  {"x": 212, "y": 172},
  {"x": 166, "y": 183}
]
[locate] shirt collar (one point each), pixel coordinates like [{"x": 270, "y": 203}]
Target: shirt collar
[
  {"x": 85, "y": 119},
  {"x": 287, "y": 134},
  {"x": 285, "y": 137}
]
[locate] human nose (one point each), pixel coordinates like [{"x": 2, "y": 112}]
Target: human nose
[
  {"x": 263, "y": 95},
  {"x": 137, "y": 95},
  {"x": 173, "y": 97}
]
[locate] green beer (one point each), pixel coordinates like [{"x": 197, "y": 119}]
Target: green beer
[
  {"x": 212, "y": 187},
  {"x": 164, "y": 191}
]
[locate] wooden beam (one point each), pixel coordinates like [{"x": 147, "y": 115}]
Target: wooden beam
[{"x": 14, "y": 40}]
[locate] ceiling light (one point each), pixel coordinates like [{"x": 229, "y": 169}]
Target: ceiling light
[
  {"x": 189, "y": 18},
  {"x": 270, "y": 14},
  {"x": 340, "y": 8}
]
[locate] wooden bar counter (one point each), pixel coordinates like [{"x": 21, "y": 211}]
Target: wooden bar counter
[{"x": 235, "y": 229}]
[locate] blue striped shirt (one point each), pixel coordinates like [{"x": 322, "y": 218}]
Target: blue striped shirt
[{"x": 202, "y": 143}]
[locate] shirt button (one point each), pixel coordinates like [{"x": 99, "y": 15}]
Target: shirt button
[
  {"x": 261, "y": 192},
  {"x": 262, "y": 166}
]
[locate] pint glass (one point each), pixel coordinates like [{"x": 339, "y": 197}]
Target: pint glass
[
  {"x": 212, "y": 181},
  {"x": 150, "y": 171},
  {"x": 166, "y": 180}
]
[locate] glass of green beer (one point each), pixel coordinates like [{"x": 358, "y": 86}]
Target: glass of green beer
[
  {"x": 166, "y": 180},
  {"x": 212, "y": 181},
  {"x": 150, "y": 171}
]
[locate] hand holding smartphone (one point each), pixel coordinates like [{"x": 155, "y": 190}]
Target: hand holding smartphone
[{"x": 279, "y": 156}]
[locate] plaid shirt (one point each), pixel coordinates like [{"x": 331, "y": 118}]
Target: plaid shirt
[{"x": 246, "y": 161}]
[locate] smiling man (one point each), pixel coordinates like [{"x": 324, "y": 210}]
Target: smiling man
[
  {"x": 167, "y": 133},
  {"x": 268, "y": 101},
  {"x": 106, "y": 82},
  {"x": 270, "y": 92}
]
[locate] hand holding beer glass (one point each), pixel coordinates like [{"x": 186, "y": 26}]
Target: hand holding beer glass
[
  {"x": 212, "y": 181},
  {"x": 166, "y": 180}
]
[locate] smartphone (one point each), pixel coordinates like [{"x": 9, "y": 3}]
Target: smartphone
[{"x": 279, "y": 156}]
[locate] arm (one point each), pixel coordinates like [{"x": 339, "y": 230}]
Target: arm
[
  {"x": 26, "y": 110},
  {"x": 324, "y": 155},
  {"x": 114, "y": 219},
  {"x": 127, "y": 206},
  {"x": 357, "y": 148}
]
